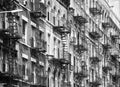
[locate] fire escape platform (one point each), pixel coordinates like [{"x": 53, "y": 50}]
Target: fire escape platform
[
  {"x": 107, "y": 46},
  {"x": 95, "y": 83},
  {"x": 40, "y": 11},
  {"x": 80, "y": 19},
  {"x": 38, "y": 14},
  {"x": 5, "y": 33},
  {"x": 115, "y": 78},
  {"x": 7, "y": 77},
  {"x": 114, "y": 37},
  {"x": 94, "y": 60},
  {"x": 80, "y": 48},
  {"x": 94, "y": 35},
  {"x": 81, "y": 74},
  {"x": 106, "y": 68},
  {"x": 61, "y": 29},
  {"x": 65, "y": 3},
  {"x": 113, "y": 58},
  {"x": 95, "y": 11},
  {"x": 106, "y": 25},
  {"x": 59, "y": 61}
]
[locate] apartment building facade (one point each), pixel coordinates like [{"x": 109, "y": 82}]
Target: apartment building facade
[{"x": 59, "y": 43}]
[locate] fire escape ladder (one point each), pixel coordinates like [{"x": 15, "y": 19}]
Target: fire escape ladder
[
  {"x": 13, "y": 28},
  {"x": 65, "y": 46}
]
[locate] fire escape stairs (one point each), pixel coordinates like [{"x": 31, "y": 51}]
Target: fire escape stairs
[{"x": 65, "y": 49}]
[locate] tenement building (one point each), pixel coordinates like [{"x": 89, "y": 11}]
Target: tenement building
[{"x": 59, "y": 43}]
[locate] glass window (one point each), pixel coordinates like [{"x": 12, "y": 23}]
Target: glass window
[{"x": 24, "y": 24}]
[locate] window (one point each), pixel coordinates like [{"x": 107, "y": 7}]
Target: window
[
  {"x": 58, "y": 49},
  {"x": 54, "y": 20},
  {"x": 24, "y": 67},
  {"x": 48, "y": 43},
  {"x": 32, "y": 42},
  {"x": 58, "y": 22},
  {"x": 32, "y": 5},
  {"x": 48, "y": 16},
  {"x": 24, "y": 24},
  {"x": 54, "y": 49}
]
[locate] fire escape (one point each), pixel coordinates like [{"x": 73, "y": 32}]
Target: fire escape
[
  {"x": 80, "y": 75},
  {"x": 95, "y": 8},
  {"x": 115, "y": 78},
  {"x": 107, "y": 24},
  {"x": 64, "y": 62},
  {"x": 81, "y": 20},
  {"x": 114, "y": 38},
  {"x": 113, "y": 59},
  {"x": 39, "y": 11},
  {"x": 10, "y": 36},
  {"x": 94, "y": 60},
  {"x": 94, "y": 35},
  {"x": 106, "y": 68},
  {"x": 65, "y": 3},
  {"x": 106, "y": 47},
  {"x": 96, "y": 82}
]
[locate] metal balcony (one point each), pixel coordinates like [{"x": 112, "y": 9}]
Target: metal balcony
[
  {"x": 113, "y": 58},
  {"x": 115, "y": 78},
  {"x": 59, "y": 62},
  {"x": 64, "y": 61},
  {"x": 7, "y": 77},
  {"x": 94, "y": 35},
  {"x": 95, "y": 11},
  {"x": 7, "y": 4},
  {"x": 40, "y": 10},
  {"x": 61, "y": 29},
  {"x": 55, "y": 61},
  {"x": 106, "y": 25},
  {"x": 65, "y": 3},
  {"x": 11, "y": 31},
  {"x": 7, "y": 33},
  {"x": 106, "y": 68},
  {"x": 82, "y": 74},
  {"x": 41, "y": 46},
  {"x": 94, "y": 60},
  {"x": 80, "y": 48},
  {"x": 106, "y": 46},
  {"x": 95, "y": 83},
  {"x": 114, "y": 38},
  {"x": 80, "y": 19}
]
